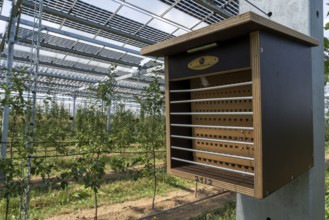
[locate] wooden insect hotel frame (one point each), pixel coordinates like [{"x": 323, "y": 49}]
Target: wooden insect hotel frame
[{"x": 239, "y": 104}]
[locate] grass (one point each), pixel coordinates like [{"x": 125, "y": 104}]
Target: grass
[
  {"x": 76, "y": 197},
  {"x": 130, "y": 187}
]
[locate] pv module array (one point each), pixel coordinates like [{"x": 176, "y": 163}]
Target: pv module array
[{"x": 92, "y": 22}]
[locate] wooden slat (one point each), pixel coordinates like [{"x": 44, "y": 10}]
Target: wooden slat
[
  {"x": 236, "y": 149},
  {"x": 240, "y": 128},
  {"x": 221, "y": 79},
  {"x": 230, "y": 160},
  {"x": 226, "y": 105},
  {"x": 167, "y": 100},
  {"x": 245, "y": 180},
  {"x": 209, "y": 164},
  {"x": 230, "y": 134},
  {"x": 213, "y": 100},
  {"x": 236, "y": 184},
  {"x": 213, "y": 153},
  {"x": 257, "y": 122},
  {"x": 221, "y": 93},
  {"x": 223, "y": 106},
  {"x": 234, "y": 27},
  {"x": 212, "y": 113},
  {"x": 225, "y": 120}
]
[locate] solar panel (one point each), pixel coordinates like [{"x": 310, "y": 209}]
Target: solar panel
[
  {"x": 194, "y": 9},
  {"x": 77, "y": 61}
]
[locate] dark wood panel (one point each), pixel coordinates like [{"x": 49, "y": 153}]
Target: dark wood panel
[
  {"x": 286, "y": 95},
  {"x": 232, "y": 54}
]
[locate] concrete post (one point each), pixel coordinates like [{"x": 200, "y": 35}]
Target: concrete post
[
  {"x": 302, "y": 199},
  {"x": 6, "y": 108}
]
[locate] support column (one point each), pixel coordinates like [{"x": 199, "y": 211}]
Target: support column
[
  {"x": 108, "y": 124},
  {"x": 302, "y": 199},
  {"x": 6, "y": 108},
  {"x": 73, "y": 112}
]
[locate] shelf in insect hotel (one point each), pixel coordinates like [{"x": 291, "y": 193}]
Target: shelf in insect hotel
[
  {"x": 235, "y": 118},
  {"x": 215, "y": 122}
]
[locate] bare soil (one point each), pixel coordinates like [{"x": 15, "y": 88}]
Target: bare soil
[{"x": 143, "y": 207}]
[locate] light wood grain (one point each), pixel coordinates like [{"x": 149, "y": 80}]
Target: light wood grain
[
  {"x": 236, "y": 26},
  {"x": 167, "y": 100},
  {"x": 218, "y": 183},
  {"x": 257, "y": 122}
]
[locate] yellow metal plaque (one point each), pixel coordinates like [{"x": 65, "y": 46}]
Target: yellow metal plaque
[{"x": 202, "y": 63}]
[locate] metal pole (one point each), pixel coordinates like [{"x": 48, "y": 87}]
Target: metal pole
[
  {"x": 34, "y": 70},
  {"x": 6, "y": 108},
  {"x": 73, "y": 111},
  {"x": 102, "y": 107},
  {"x": 108, "y": 124}
]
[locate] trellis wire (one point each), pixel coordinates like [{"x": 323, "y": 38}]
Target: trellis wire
[{"x": 81, "y": 154}]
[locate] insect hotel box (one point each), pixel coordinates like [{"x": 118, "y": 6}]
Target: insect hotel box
[{"x": 239, "y": 104}]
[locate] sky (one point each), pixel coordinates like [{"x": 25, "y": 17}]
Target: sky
[
  {"x": 185, "y": 21},
  {"x": 325, "y": 17}
]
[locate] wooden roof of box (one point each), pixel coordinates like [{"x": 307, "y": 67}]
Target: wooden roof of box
[{"x": 231, "y": 28}]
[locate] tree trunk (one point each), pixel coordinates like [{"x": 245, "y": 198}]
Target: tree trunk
[
  {"x": 154, "y": 166},
  {"x": 96, "y": 205}
]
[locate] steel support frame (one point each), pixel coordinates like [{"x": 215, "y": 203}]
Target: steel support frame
[
  {"x": 213, "y": 7},
  {"x": 89, "y": 23},
  {"x": 77, "y": 70},
  {"x": 80, "y": 53},
  {"x": 77, "y": 36},
  {"x": 54, "y": 65},
  {"x": 34, "y": 68},
  {"x": 108, "y": 122},
  {"x": 6, "y": 108},
  {"x": 73, "y": 112}
]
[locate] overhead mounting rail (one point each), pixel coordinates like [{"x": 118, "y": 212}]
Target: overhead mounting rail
[
  {"x": 82, "y": 53},
  {"x": 69, "y": 74},
  {"x": 77, "y": 36},
  {"x": 15, "y": 13},
  {"x": 82, "y": 49},
  {"x": 93, "y": 43},
  {"x": 70, "y": 78},
  {"x": 204, "y": 14},
  {"x": 153, "y": 15},
  {"x": 80, "y": 20},
  {"x": 56, "y": 65},
  {"x": 213, "y": 7}
]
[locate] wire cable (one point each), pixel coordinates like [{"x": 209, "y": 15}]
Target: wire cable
[
  {"x": 81, "y": 154},
  {"x": 269, "y": 14}
]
